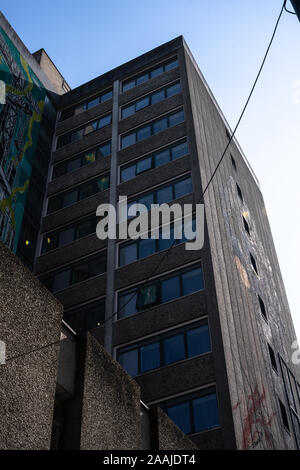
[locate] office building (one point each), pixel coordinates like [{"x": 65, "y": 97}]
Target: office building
[{"x": 207, "y": 334}]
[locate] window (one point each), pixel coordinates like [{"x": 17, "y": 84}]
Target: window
[
  {"x": 81, "y": 271},
  {"x": 163, "y": 194},
  {"x": 149, "y": 357},
  {"x": 147, "y": 296},
  {"x": 160, "y": 291},
  {"x": 78, "y": 134},
  {"x": 284, "y": 416},
  {"x": 191, "y": 280},
  {"x": 253, "y": 263},
  {"x": 262, "y": 308},
  {"x": 129, "y": 361},
  {"x": 82, "y": 192},
  {"x": 239, "y": 191},
  {"x": 157, "y": 159},
  {"x": 150, "y": 99},
  {"x": 152, "y": 128},
  {"x": 272, "y": 358},
  {"x": 141, "y": 248},
  {"x": 174, "y": 349},
  {"x": 165, "y": 349},
  {"x": 196, "y": 413},
  {"x": 128, "y": 253},
  {"x": 170, "y": 288},
  {"x": 132, "y": 82},
  {"x": 233, "y": 162},
  {"x": 246, "y": 225},
  {"x": 87, "y": 317},
  {"x": 66, "y": 113}
]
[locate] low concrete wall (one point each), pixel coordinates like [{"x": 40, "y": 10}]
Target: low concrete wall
[{"x": 30, "y": 320}]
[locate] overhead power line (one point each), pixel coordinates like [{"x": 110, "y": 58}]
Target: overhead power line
[{"x": 154, "y": 271}]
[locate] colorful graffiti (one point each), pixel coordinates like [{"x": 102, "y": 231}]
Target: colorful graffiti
[
  {"x": 19, "y": 129},
  {"x": 257, "y": 422}
]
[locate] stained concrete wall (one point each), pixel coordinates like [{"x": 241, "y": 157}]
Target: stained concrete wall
[
  {"x": 30, "y": 319},
  {"x": 254, "y": 386}
]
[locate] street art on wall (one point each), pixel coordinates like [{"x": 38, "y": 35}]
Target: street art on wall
[{"x": 20, "y": 116}]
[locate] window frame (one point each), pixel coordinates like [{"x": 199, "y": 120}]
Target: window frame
[
  {"x": 60, "y": 197},
  {"x": 153, "y": 155},
  {"x": 157, "y": 241},
  {"x": 84, "y": 104},
  {"x": 160, "y": 339},
  {"x": 101, "y": 255},
  {"x": 190, "y": 398},
  {"x": 134, "y": 78},
  {"x": 82, "y": 128},
  {"x": 58, "y": 232},
  {"x": 149, "y": 97},
  {"x": 158, "y": 281},
  {"x": 154, "y": 192},
  {"x": 151, "y": 124}
]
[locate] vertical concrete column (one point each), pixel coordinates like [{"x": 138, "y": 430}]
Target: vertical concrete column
[{"x": 111, "y": 247}]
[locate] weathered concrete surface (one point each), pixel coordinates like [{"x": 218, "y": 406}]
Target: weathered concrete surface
[
  {"x": 30, "y": 319},
  {"x": 111, "y": 403}
]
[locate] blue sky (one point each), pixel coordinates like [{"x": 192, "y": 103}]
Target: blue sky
[{"x": 228, "y": 39}]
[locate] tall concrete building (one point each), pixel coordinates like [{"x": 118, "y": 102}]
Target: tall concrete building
[{"x": 209, "y": 336}]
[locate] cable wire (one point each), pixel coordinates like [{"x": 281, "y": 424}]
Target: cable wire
[
  {"x": 201, "y": 198},
  {"x": 217, "y": 167},
  {"x": 288, "y": 11}
]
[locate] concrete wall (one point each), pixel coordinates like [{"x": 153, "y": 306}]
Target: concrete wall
[
  {"x": 254, "y": 385},
  {"x": 30, "y": 320},
  {"x": 111, "y": 403},
  {"x": 51, "y": 71}
]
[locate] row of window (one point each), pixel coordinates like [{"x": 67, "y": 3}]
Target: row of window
[
  {"x": 145, "y": 76},
  {"x": 195, "y": 414},
  {"x": 79, "y": 133},
  {"x": 155, "y": 160},
  {"x": 104, "y": 150},
  {"x": 66, "y": 113},
  {"x": 152, "y": 128},
  {"x": 165, "y": 350},
  {"x": 81, "y": 192},
  {"x": 159, "y": 291},
  {"x": 78, "y": 272},
  {"x": 163, "y": 194},
  {"x": 149, "y": 100},
  {"x": 141, "y": 248},
  {"x": 69, "y": 234},
  {"x": 86, "y": 318}
]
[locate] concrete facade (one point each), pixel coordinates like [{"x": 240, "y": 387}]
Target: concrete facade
[{"x": 238, "y": 366}]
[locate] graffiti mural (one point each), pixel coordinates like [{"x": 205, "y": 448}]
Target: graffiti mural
[{"x": 19, "y": 128}]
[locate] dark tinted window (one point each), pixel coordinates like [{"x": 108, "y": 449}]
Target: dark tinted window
[
  {"x": 153, "y": 128},
  {"x": 161, "y": 157},
  {"x": 174, "y": 349},
  {"x": 132, "y": 82},
  {"x": 168, "y": 348}
]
